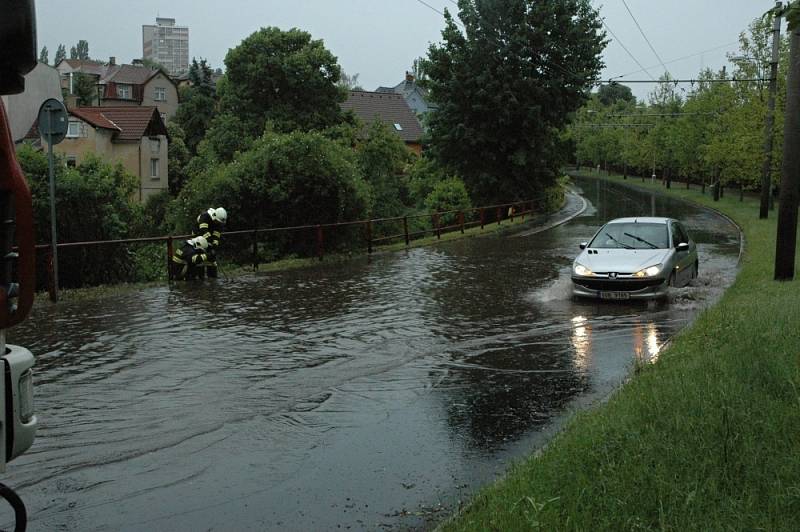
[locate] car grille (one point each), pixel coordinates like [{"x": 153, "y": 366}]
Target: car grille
[{"x": 625, "y": 285}]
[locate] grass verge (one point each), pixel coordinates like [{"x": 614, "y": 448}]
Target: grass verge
[{"x": 708, "y": 438}]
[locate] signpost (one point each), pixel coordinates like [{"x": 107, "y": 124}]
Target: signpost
[{"x": 53, "y": 124}]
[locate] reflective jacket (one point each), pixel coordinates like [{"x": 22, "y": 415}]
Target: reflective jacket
[
  {"x": 188, "y": 254},
  {"x": 209, "y": 228}
]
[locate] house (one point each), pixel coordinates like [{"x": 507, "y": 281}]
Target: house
[
  {"x": 41, "y": 83},
  {"x": 132, "y": 135},
  {"x": 122, "y": 85},
  {"x": 389, "y": 108},
  {"x": 417, "y": 97}
]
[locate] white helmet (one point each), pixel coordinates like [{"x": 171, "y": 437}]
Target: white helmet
[
  {"x": 220, "y": 215},
  {"x": 199, "y": 242}
]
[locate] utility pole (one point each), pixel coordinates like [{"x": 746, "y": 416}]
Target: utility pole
[
  {"x": 769, "y": 123},
  {"x": 786, "y": 238}
]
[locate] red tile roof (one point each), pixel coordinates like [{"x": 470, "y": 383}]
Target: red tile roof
[
  {"x": 94, "y": 116},
  {"x": 131, "y": 122},
  {"x": 389, "y": 108}
]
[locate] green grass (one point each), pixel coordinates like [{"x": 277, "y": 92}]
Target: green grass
[{"x": 707, "y": 438}]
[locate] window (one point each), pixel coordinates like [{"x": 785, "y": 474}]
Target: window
[
  {"x": 73, "y": 129},
  {"x": 678, "y": 235},
  {"x": 155, "y": 145},
  {"x": 160, "y": 94},
  {"x": 124, "y": 92},
  {"x": 72, "y": 161},
  {"x": 398, "y": 127},
  {"x": 154, "y": 168}
]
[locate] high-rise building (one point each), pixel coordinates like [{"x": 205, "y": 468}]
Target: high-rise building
[{"x": 167, "y": 44}]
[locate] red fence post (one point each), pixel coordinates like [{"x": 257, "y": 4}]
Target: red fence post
[
  {"x": 255, "y": 251},
  {"x": 483, "y": 218},
  {"x": 369, "y": 236},
  {"x": 511, "y": 210},
  {"x": 405, "y": 229},
  {"x": 320, "y": 248},
  {"x": 499, "y": 215},
  {"x": 461, "y": 221},
  {"x": 169, "y": 257}
]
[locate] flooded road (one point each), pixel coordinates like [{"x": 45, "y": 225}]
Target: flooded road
[{"x": 358, "y": 396}]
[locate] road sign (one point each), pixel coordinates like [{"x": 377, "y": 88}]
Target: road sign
[{"x": 53, "y": 122}]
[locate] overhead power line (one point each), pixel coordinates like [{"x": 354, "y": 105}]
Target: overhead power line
[
  {"x": 426, "y": 4},
  {"x": 626, "y": 49},
  {"x": 645, "y": 36},
  {"x": 677, "y": 81},
  {"x": 680, "y": 59}
]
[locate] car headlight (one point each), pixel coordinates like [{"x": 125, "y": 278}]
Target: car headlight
[
  {"x": 580, "y": 269},
  {"x": 650, "y": 271}
]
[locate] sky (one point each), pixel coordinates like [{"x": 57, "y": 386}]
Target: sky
[{"x": 379, "y": 39}]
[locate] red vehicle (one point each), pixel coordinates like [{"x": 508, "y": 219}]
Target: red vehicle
[{"x": 17, "y": 277}]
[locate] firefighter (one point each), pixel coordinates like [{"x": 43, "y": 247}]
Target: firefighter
[
  {"x": 189, "y": 259},
  {"x": 209, "y": 225}
]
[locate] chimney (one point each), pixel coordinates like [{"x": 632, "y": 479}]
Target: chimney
[
  {"x": 409, "y": 77},
  {"x": 137, "y": 62},
  {"x": 112, "y": 60}
]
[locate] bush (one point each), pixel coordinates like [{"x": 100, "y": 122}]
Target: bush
[
  {"x": 93, "y": 202},
  {"x": 284, "y": 180},
  {"x": 448, "y": 195}
]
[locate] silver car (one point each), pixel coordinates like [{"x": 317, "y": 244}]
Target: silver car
[{"x": 635, "y": 258}]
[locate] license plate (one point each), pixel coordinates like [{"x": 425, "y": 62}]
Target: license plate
[{"x": 615, "y": 295}]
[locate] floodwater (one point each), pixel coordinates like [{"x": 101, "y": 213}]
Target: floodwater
[{"x": 367, "y": 395}]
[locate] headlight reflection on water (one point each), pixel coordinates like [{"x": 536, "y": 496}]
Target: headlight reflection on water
[
  {"x": 582, "y": 341},
  {"x": 645, "y": 342}
]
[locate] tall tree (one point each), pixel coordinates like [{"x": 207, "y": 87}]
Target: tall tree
[
  {"x": 349, "y": 82},
  {"x": 198, "y": 104},
  {"x": 82, "y": 49},
  {"x": 609, "y": 94},
  {"x": 61, "y": 54},
  {"x": 284, "y": 77},
  {"x": 84, "y": 88},
  {"x": 44, "y": 56},
  {"x": 506, "y": 85}
]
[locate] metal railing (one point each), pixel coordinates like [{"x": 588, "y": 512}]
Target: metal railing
[{"x": 342, "y": 236}]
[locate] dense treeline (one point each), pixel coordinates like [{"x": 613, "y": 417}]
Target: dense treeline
[{"x": 705, "y": 132}]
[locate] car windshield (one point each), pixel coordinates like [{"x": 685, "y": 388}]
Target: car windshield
[{"x": 631, "y": 236}]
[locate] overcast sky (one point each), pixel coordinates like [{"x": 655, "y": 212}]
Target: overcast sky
[{"x": 379, "y": 39}]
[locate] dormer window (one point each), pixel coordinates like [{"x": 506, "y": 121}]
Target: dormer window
[{"x": 124, "y": 92}]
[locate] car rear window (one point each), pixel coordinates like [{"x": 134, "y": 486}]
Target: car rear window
[{"x": 631, "y": 236}]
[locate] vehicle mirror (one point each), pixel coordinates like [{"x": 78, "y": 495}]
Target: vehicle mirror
[
  {"x": 683, "y": 246},
  {"x": 583, "y": 245},
  {"x": 17, "y": 44}
]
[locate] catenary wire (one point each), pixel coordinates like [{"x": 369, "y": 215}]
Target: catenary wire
[
  {"x": 678, "y": 59},
  {"x": 645, "y": 37},
  {"x": 626, "y": 49}
]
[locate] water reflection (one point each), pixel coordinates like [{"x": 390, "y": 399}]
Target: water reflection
[{"x": 582, "y": 342}]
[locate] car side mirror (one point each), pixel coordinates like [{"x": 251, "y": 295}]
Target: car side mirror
[
  {"x": 683, "y": 246},
  {"x": 583, "y": 245}
]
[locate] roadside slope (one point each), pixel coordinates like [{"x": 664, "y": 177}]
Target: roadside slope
[{"x": 706, "y": 438}]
